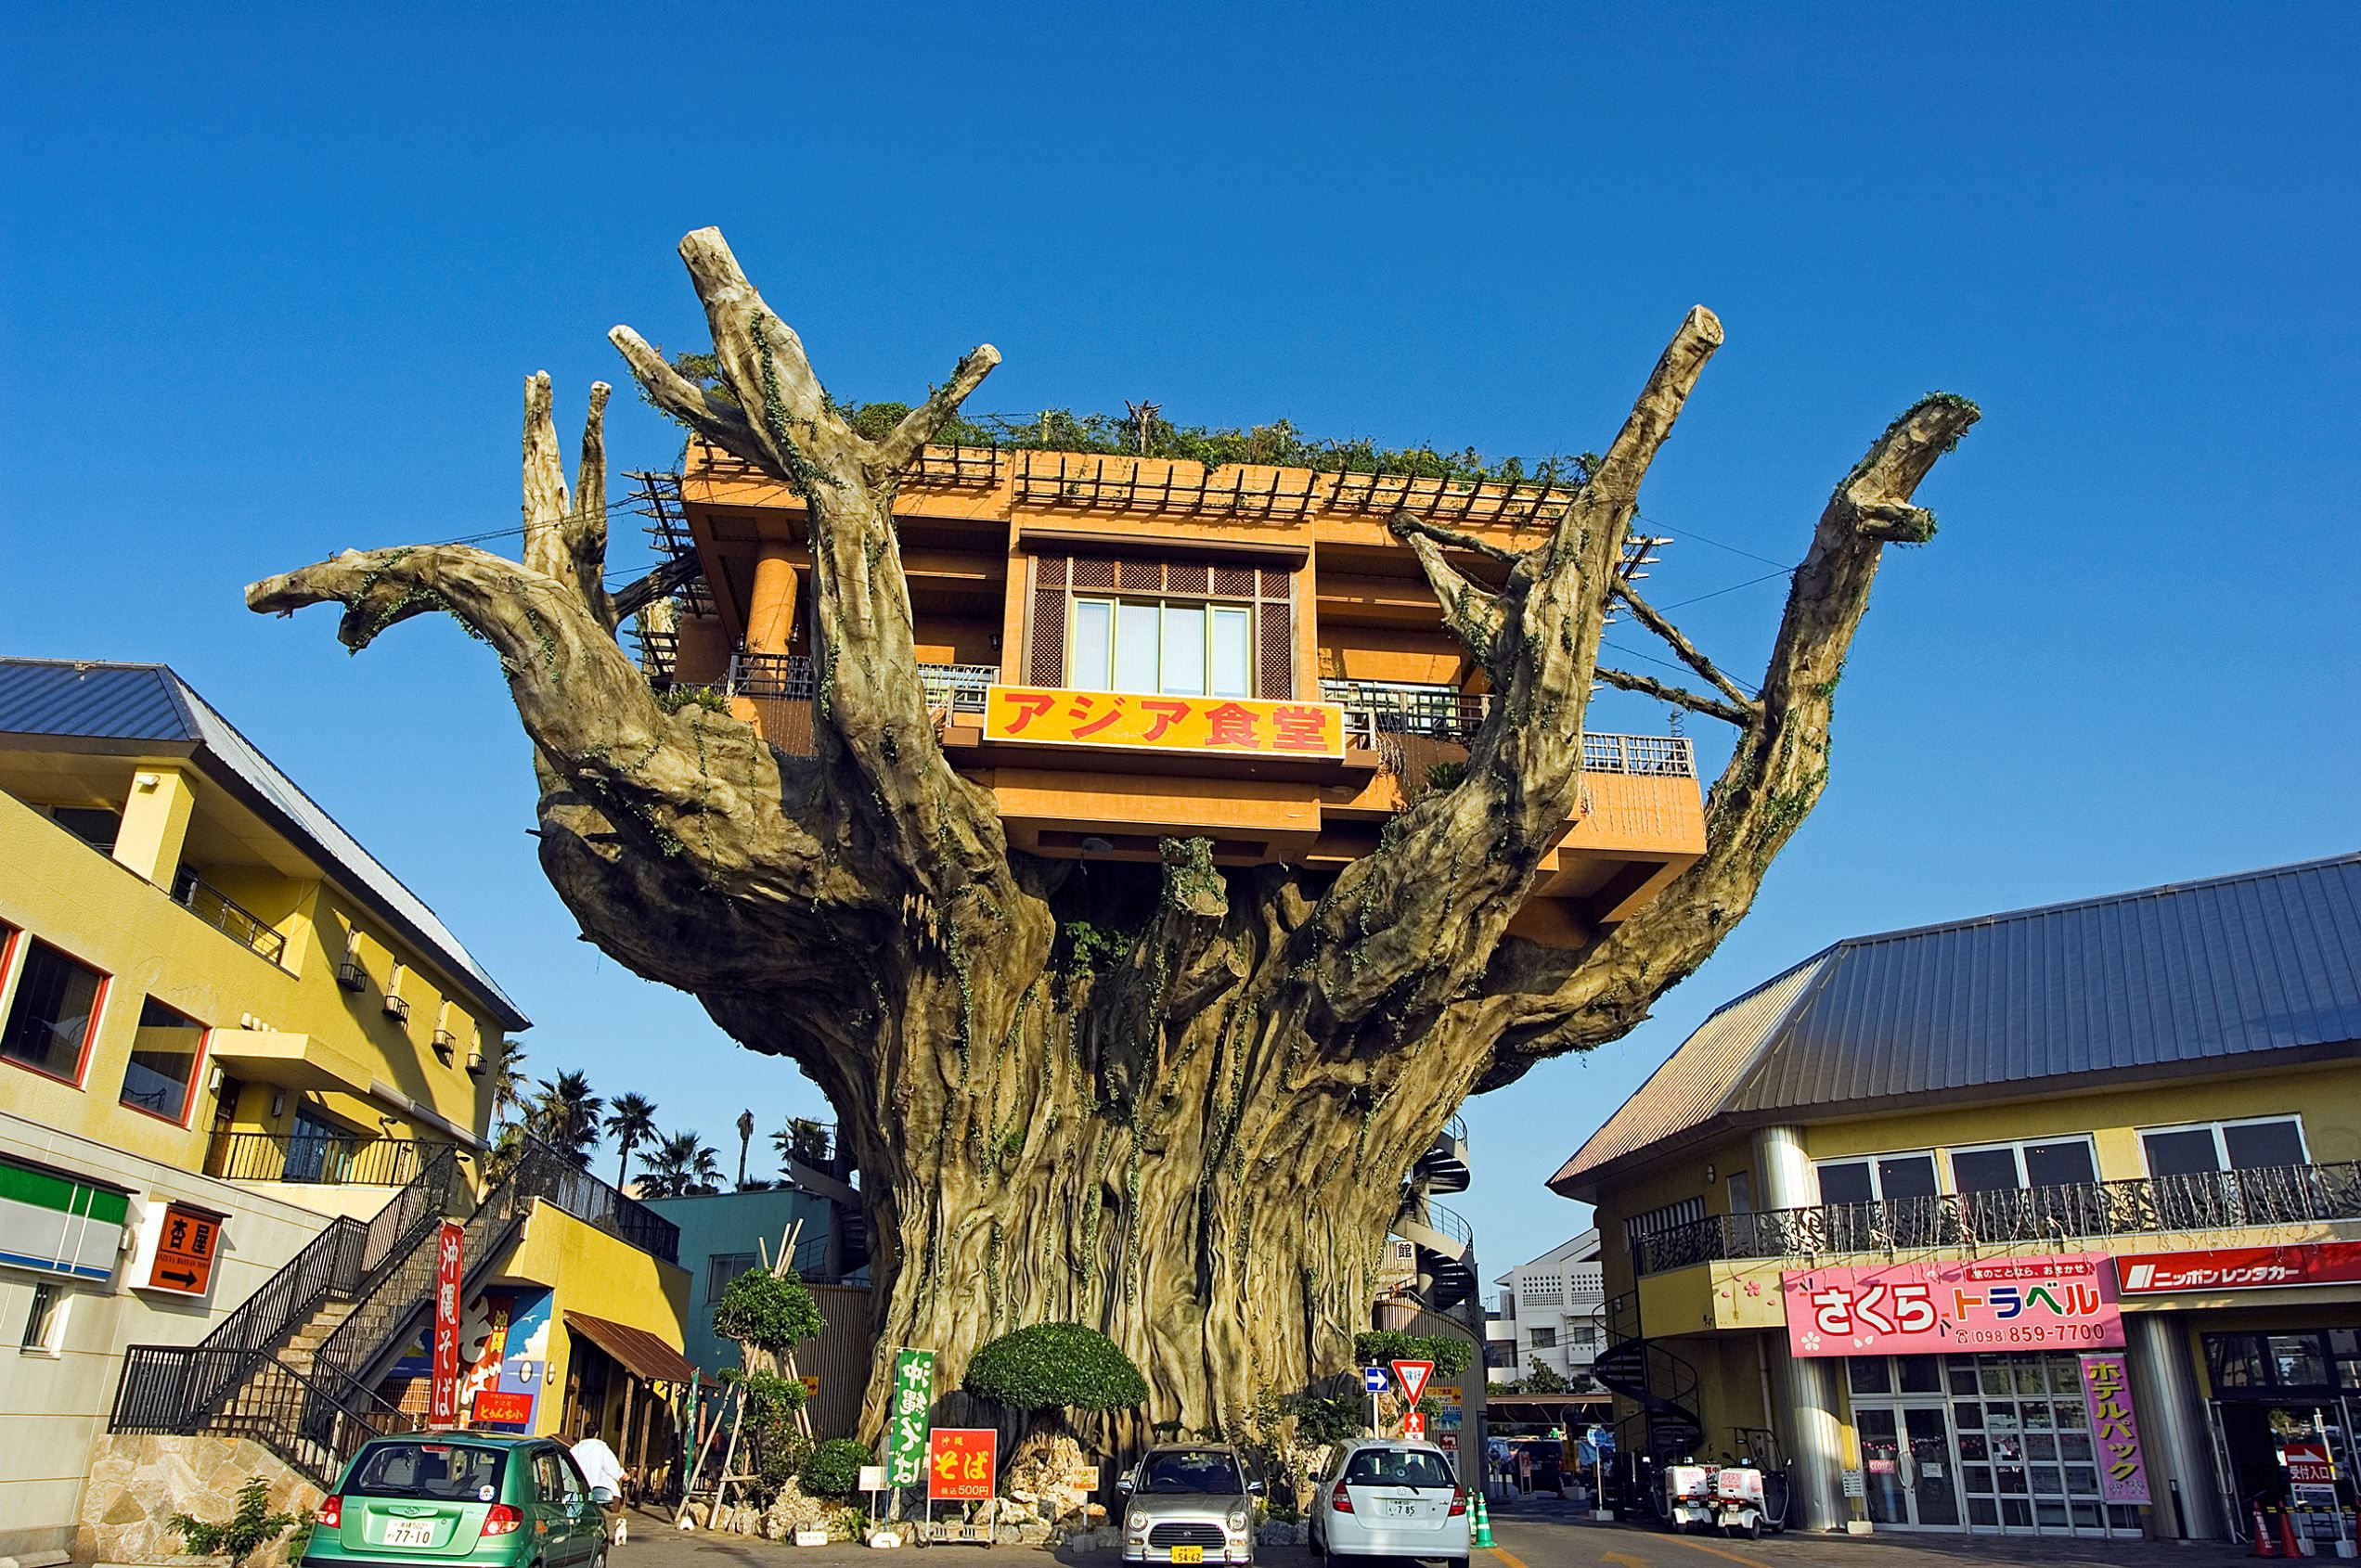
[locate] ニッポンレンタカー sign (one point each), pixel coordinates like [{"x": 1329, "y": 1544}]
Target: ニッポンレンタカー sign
[
  {"x": 2107, "y": 1395},
  {"x": 2242, "y": 1268},
  {"x": 1236, "y": 726},
  {"x": 2064, "y": 1302}
]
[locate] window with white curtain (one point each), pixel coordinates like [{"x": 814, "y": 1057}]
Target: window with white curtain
[{"x": 1179, "y": 648}]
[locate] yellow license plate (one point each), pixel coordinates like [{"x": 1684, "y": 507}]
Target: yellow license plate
[{"x": 1188, "y": 1554}]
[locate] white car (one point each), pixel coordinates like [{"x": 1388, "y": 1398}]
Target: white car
[{"x": 1387, "y": 1498}]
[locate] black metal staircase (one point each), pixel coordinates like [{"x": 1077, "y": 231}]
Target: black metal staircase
[{"x": 1664, "y": 1387}]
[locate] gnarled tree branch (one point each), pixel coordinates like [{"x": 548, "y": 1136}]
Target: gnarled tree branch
[
  {"x": 1554, "y": 1002},
  {"x": 1690, "y": 654},
  {"x": 1624, "y": 680}
]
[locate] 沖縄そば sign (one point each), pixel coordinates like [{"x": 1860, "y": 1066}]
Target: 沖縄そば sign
[
  {"x": 2065, "y": 1302},
  {"x": 910, "y": 1417}
]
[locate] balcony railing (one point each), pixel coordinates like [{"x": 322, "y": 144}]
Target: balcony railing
[
  {"x": 2146, "y": 1205},
  {"x": 223, "y": 913},
  {"x": 959, "y": 688},
  {"x": 1373, "y": 713},
  {"x": 352, "y": 1161}
]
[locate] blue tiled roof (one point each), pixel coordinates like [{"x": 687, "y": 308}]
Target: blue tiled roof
[
  {"x": 148, "y": 704},
  {"x": 2184, "y": 978}
]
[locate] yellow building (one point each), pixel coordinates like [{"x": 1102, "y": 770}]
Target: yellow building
[
  {"x": 1900, "y": 1217},
  {"x": 244, "y": 1074}
]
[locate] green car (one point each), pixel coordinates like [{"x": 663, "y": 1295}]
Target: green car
[{"x": 473, "y": 1498}]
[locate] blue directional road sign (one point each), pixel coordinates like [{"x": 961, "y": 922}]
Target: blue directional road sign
[{"x": 1372, "y": 1380}]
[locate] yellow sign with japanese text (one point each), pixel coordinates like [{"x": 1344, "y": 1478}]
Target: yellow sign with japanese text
[{"x": 1237, "y": 725}]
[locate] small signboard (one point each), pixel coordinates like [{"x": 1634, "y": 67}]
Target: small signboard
[
  {"x": 1372, "y": 1380},
  {"x": 1411, "y": 1378},
  {"x": 908, "y": 1418},
  {"x": 873, "y": 1478},
  {"x": 811, "y": 1385},
  {"x": 443, "y": 1402},
  {"x": 1414, "y": 1426},
  {"x": 961, "y": 1464},
  {"x": 184, "y": 1249},
  {"x": 501, "y": 1406}
]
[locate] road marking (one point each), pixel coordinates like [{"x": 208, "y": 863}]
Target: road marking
[
  {"x": 1506, "y": 1556},
  {"x": 1716, "y": 1551},
  {"x": 1623, "y": 1562}
]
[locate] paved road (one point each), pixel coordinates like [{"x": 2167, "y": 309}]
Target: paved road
[{"x": 1545, "y": 1536}]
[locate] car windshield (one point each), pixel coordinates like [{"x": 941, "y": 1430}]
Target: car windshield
[
  {"x": 1191, "y": 1469},
  {"x": 1399, "y": 1467},
  {"x": 450, "y": 1472}
]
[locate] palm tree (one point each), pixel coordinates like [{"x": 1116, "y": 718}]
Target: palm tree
[
  {"x": 506, "y": 1070},
  {"x": 565, "y": 1116},
  {"x": 803, "y": 1139},
  {"x": 682, "y": 1164},
  {"x": 746, "y": 1141},
  {"x": 631, "y": 1120}
]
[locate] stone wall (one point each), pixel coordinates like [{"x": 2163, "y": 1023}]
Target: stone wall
[{"x": 139, "y": 1480}]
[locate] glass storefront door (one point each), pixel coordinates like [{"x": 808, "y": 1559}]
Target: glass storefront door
[
  {"x": 1981, "y": 1443},
  {"x": 1909, "y": 1475}
]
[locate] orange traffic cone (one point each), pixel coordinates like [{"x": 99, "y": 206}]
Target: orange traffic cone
[
  {"x": 2264, "y": 1545},
  {"x": 2288, "y": 1547}
]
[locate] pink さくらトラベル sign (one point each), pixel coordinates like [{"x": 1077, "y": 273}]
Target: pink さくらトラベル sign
[{"x": 2063, "y": 1302}]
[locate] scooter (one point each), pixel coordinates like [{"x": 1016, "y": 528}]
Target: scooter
[
  {"x": 1740, "y": 1505},
  {"x": 1688, "y": 1496}
]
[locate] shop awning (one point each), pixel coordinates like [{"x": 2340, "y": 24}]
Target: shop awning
[{"x": 644, "y": 1355}]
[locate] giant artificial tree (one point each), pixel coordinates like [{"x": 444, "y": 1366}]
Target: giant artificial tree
[{"x": 1190, "y": 1137}]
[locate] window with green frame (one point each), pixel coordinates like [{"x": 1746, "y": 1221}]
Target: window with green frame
[{"x": 1183, "y": 649}]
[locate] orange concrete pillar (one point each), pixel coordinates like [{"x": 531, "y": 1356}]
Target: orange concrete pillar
[
  {"x": 705, "y": 650},
  {"x": 770, "y": 613}
]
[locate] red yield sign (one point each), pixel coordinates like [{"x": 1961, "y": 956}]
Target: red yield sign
[{"x": 1411, "y": 1378}]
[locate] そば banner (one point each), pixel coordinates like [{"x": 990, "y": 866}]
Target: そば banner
[{"x": 2065, "y": 1302}]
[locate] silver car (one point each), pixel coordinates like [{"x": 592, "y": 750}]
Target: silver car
[
  {"x": 1188, "y": 1503},
  {"x": 1390, "y": 1500}
]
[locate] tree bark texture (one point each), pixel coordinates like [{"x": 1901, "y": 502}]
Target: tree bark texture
[{"x": 1175, "y": 1102}]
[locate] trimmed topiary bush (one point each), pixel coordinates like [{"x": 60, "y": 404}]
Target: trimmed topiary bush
[
  {"x": 1055, "y": 1366},
  {"x": 772, "y": 1313},
  {"x": 832, "y": 1469}
]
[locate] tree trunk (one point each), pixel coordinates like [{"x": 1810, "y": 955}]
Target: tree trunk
[{"x": 1174, "y": 1102}]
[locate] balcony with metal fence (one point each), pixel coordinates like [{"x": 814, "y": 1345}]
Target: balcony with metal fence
[
  {"x": 2056, "y": 1217},
  {"x": 228, "y": 916},
  {"x": 321, "y": 1158}
]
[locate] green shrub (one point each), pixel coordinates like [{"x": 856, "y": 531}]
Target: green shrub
[
  {"x": 1055, "y": 1366},
  {"x": 1449, "y": 1353},
  {"x": 244, "y": 1533},
  {"x": 832, "y": 1469},
  {"x": 768, "y": 1312}
]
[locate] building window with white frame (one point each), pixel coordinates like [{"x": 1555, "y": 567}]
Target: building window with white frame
[
  {"x": 2203, "y": 1148},
  {"x": 1177, "y": 648},
  {"x": 44, "y": 1319}
]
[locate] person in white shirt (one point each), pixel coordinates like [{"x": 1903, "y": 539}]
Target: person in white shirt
[{"x": 600, "y": 1468}]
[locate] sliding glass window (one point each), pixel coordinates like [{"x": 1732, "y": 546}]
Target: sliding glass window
[{"x": 1151, "y": 644}]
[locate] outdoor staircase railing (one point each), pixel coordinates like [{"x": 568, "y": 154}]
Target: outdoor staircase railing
[
  {"x": 1665, "y": 1388},
  {"x": 181, "y": 1388}
]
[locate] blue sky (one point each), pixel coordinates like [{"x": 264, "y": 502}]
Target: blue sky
[{"x": 270, "y": 281}]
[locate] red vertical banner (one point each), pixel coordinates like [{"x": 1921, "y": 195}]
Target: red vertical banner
[{"x": 443, "y": 1402}]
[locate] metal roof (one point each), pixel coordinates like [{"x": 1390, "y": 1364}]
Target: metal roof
[
  {"x": 2184, "y": 978},
  {"x": 149, "y": 704}
]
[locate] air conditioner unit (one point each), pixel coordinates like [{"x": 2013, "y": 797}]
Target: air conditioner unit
[
  {"x": 396, "y": 1009},
  {"x": 352, "y": 976}
]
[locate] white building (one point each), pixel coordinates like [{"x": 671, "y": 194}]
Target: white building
[{"x": 1552, "y": 1309}]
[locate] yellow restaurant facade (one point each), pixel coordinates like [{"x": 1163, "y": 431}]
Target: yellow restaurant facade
[
  {"x": 1900, "y": 1217},
  {"x": 242, "y": 1068}
]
